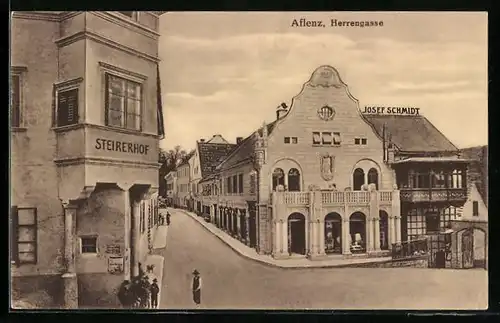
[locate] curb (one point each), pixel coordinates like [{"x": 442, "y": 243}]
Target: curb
[{"x": 357, "y": 265}]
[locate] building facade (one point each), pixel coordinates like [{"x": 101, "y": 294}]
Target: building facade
[
  {"x": 325, "y": 178},
  {"x": 171, "y": 187},
  {"x": 183, "y": 175},
  {"x": 86, "y": 122}
]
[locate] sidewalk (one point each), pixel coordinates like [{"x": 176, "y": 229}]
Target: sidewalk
[
  {"x": 160, "y": 242},
  {"x": 250, "y": 253}
]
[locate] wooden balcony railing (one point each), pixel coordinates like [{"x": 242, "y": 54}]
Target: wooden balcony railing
[{"x": 433, "y": 195}]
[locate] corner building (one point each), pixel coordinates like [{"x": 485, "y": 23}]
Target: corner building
[
  {"x": 86, "y": 122},
  {"x": 320, "y": 179}
]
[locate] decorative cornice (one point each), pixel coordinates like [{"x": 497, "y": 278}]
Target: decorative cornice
[
  {"x": 65, "y": 41},
  {"x": 37, "y": 15},
  {"x": 105, "y": 161},
  {"x": 122, "y": 71},
  {"x": 68, "y": 83},
  {"x": 105, "y": 128},
  {"x": 18, "y": 69},
  {"x": 126, "y": 23}
]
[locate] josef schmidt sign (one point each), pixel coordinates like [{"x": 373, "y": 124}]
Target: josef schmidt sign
[{"x": 391, "y": 110}]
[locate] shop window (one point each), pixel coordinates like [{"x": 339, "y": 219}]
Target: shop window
[
  {"x": 415, "y": 224},
  {"x": 24, "y": 235},
  {"x": 373, "y": 177},
  {"x": 88, "y": 244},
  {"x": 475, "y": 208},
  {"x": 67, "y": 107},
  {"x": 123, "y": 103},
  {"x": 15, "y": 100},
  {"x": 358, "y": 179},
  {"x": 278, "y": 178}
]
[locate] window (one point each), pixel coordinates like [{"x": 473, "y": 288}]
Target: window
[
  {"x": 278, "y": 178},
  {"x": 360, "y": 141},
  {"x": 415, "y": 224},
  {"x": 293, "y": 180},
  {"x": 235, "y": 183},
  {"x": 295, "y": 140},
  {"x": 432, "y": 221},
  {"x": 287, "y": 140},
  {"x": 123, "y": 103},
  {"x": 67, "y": 107},
  {"x": 326, "y": 138},
  {"x": 291, "y": 140},
  {"x": 240, "y": 183},
  {"x": 15, "y": 101},
  {"x": 438, "y": 180},
  {"x": 252, "y": 183},
  {"x": 358, "y": 179},
  {"x": 456, "y": 179},
  {"x": 316, "y": 138},
  {"x": 24, "y": 235},
  {"x": 420, "y": 180},
  {"x": 142, "y": 220},
  {"x": 475, "y": 208},
  {"x": 229, "y": 185},
  {"x": 89, "y": 244},
  {"x": 373, "y": 177}
]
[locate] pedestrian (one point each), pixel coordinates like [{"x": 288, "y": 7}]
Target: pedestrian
[
  {"x": 154, "y": 291},
  {"x": 125, "y": 295},
  {"x": 196, "y": 286},
  {"x": 168, "y": 218}
]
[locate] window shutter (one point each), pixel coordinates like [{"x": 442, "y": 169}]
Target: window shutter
[
  {"x": 14, "y": 254},
  {"x": 15, "y": 100},
  {"x": 67, "y": 107}
]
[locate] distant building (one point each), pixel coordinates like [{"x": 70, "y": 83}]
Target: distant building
[
  {"x": 86, "y": 120},
  {"x": 325, "y": 178},
  {"x": 183, "y": 175},
  {"x": 171, "y": 187}
]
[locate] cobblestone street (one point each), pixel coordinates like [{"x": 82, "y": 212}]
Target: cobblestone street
[{"x": 233, "y": 282}]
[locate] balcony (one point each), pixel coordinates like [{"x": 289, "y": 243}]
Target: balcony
[
  {"x": 434, "y": 195},
  {"x": 331, "y": 198}
]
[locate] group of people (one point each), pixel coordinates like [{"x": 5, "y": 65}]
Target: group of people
[{"x": 139, "y": 293}]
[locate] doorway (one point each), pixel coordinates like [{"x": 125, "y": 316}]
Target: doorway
[
  {"x": 333, "y": 233},
  {"x": 384, "y": 230},
  {"x": 297, "y": 234}
]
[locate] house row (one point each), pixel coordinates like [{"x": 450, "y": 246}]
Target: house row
[{"x": 325, "y": 179}]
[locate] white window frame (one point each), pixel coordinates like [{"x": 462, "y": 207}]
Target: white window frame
[
  {"x": 86, "y": 236},
  {"x": 129, "y": 76}
]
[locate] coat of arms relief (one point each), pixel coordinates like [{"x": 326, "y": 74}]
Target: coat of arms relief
[{"x": 327, "y": 166}]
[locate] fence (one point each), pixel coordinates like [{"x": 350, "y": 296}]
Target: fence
[{"x": 409, "y": 249}]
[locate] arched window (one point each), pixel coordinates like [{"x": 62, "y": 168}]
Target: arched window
[
  {"x": 294, "y": 180},
  {"x": 278, "y": 178},
  {"x": 358, "y": 179},
  {"x": 373, "y": 177}
]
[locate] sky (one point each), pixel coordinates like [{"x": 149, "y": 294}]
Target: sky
[{"x": 226, "y": 72}]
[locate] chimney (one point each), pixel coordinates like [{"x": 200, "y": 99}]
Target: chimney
[
  {"x": 281, "y": 111},
  {"x": 239, "y": 140}
]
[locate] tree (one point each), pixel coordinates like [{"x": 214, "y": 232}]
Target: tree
[{"x": 169, "y": 161}]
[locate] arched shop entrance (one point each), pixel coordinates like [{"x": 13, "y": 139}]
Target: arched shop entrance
[
  {"x": 333, "y": 233},
  {"x": 357, "y": 232},
  {"x": 297, "y": 233}
]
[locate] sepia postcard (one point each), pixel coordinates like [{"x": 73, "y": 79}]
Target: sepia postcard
[{"x": 249, "y": 160}]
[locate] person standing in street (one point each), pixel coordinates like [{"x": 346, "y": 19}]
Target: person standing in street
[
  {"x": 154, "y": 290},
  {"x": 196, "y": 286},
  {"x": 168, "y": 218}
]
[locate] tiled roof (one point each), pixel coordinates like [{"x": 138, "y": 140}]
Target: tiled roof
[
  {"x": 245, "y": 149},
  {"x": 411, "y": 133},
  {"x": 211, "y": 155}
]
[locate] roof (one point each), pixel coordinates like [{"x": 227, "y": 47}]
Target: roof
[
  {"x": 432, "y": 160},
  {"x": 411, "y": 133},
  {"x": 478, "y": 169},
  {"x": 211, "y": 155},
  {"x": 245, "y": 149}
]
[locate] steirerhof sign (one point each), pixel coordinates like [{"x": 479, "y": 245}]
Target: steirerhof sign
[{"x": 390, "y": 110}]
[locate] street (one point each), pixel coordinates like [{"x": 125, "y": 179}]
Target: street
[{"x": 233, "y": 282}]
